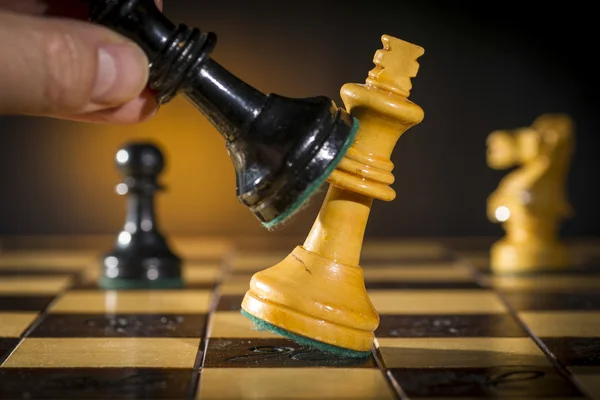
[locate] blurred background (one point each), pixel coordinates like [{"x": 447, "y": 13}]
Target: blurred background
[{"x": 486, "y": 66}]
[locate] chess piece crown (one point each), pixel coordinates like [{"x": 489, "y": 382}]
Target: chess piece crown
[{"x": 282, "y": 148}]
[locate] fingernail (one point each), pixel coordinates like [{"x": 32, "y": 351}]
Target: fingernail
[{"x": 122, "y": 74}]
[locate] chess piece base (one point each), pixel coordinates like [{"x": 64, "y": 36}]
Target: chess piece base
[
  {"x": 514, "y": 258},
  {"x": 311, "y": 296}
]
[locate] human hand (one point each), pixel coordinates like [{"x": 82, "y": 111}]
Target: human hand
[{"x": 54, "y": 65}]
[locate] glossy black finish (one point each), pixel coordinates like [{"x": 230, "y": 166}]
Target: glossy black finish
[
  {"x": 141, "y": 257},
  {"x": 279, "y": 146}
]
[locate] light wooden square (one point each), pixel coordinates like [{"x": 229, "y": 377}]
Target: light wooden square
[
  {"x": 138, "y": 301},
  {"x": 55, "y": 260},
  {"x": 201, "y": 247},
  {"x": 389, "y": 249},
  {"x": 257, "y": 261},
  {"x": 418, "y": 273},
  {"x": 546, "y": 283},
  {"x": 293, "y": 383},
  {"x": 34, "y": 284},
  {"x": 436, "y": 302},
  {"x": 459, "y": 352},
  {"x": 235, "y": 285},
  {"x": 13, "y": 324},
  {"x": 104, "y": 353},
  {"x": 563, "y": 323},
  {"x": 232, "y": 324}
]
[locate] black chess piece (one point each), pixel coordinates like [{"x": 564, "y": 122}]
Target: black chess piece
[
  {"x": 141, "y": 257},
  {"x": 282, "y": 148}
]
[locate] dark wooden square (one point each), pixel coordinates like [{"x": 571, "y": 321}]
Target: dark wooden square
[
  {"x": 523, "y": 301},
  {"x": 24, "y": 303},
  {"x": 575, "y": 351},
  {"x": 487, "y": 325},
  {"x": 522, "y": 382},
  {"x": 120, "y": 325},
  {"x": 276, "y": 353}
]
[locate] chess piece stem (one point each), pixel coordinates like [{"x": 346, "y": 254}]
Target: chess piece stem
[{"x": 318, "y": 291}]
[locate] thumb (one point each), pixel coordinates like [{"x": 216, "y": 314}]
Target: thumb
[{"x": 55, "y": 67}]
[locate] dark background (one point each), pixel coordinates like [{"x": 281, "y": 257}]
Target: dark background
[{"x": 487, "y": 66}]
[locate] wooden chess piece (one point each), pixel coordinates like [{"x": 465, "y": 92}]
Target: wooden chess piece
[
  {"x": 531, "y": 201},
  {"x": 318, "y": 291},
  {"x": 141, "y": 257}
]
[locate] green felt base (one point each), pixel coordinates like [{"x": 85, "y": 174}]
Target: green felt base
[
  {"x": 313, "y": 187},
  {"x": 304, "y": 341},
  {"x": 115, "y": 283}
]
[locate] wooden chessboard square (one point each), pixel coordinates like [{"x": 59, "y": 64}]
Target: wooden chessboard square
[
  {"x": 575, "y": 351},
  {"x": 230, "y": 302},
  {"x": 305, "y": 383},
  {"x": 442, "y": 276},
  {"x": 104, "y": 352},
  {"x": 462, "y": 325},
  {"x": 54, "y": 260},
  {"x": 546, "y": 283},
  {"x": 34, "y": 285},
  {"x": 562, "y": 323},
  {"x": 479, "y": 260},
  {"x": 121, "y": 325},
  {"x": 24, "y": 303},
  {"x": 589, "y": 380},
  {"x": 402, "y": 249},
  {"x": 198, "y": 275},
  {"x": 274, "y": 353},
  {"x": 499, "y": 382},
  {"x": 250, "y": 262},
  {"x": 134, "y": 302},
  {"x": 436, "y": 302},
  {"x": 479, "y": 352},
  {"x": 233, "y": 325},
  {"x": 14, "y": 324},
  {"x": 235, "y": 285},
  {"x": 195, "y": 274},
  {"x": 97, "y": 383},
  {"x": 576, "y": 301},
  {"x": 201, "y": 248}
]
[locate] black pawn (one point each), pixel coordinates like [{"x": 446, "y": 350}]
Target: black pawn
[{"x": 141, "y": 257}]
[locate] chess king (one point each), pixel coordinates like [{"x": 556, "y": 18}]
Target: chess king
[
  {"x": 531, "y": 201},
  {"x": 317, "y": 295}
]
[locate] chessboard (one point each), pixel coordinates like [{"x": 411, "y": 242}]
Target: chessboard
[{"x": 449, "y": 329}]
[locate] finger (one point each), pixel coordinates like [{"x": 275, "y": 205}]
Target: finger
[
  {"x": 135, "y": 111},
  {"x": 52, "y": 67}
]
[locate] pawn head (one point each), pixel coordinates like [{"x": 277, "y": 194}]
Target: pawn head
[{"x": 140, "y": 159}]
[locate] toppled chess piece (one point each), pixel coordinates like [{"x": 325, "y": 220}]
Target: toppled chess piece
[
  {"x": 317, "y": 294},
  {"x": 531, "y": 201},
  {"x": 141, "y": 257}
]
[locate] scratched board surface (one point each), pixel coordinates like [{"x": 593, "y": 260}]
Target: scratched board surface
[{"x": 449, "y": 329}]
